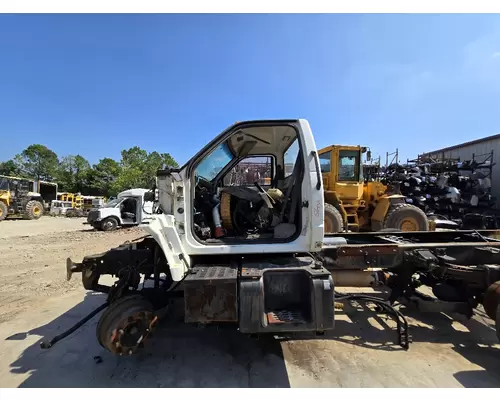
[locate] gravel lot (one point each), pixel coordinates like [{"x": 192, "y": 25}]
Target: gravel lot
[{"x": 36, "y": 301}]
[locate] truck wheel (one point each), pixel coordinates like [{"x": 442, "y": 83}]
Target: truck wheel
[
  {"x": 109, "y": 224},
  {"x": 406, "y": 218},
  {"x": 34, "y": 209},
  {"x": 3, "y": 211},
  {"x": 125, "y": 324},
  {"x": 491, "y": 299},
  {"x": 333, "y": 220}
]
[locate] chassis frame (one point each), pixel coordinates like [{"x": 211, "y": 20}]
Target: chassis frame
[{"x": 461, "y": 267}]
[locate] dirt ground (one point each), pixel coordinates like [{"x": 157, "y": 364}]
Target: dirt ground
[{"x": 37, "y": 302}]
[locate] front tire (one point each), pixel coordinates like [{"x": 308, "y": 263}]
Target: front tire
[
  {"x": 34, "y": 209},
  {"x": 125, "y": 324},
  {"x": 109, "y": 224},
  {"x": 406, "y": 218},
  {"x": 333, "y": 219}
]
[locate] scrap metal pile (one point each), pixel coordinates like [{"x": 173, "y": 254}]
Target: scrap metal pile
[{"x": 458, "y": 193}]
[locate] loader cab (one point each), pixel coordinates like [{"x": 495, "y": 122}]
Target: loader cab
[
  {"x": 341, "y": 164},
  {"x": 342, "y": 172}
]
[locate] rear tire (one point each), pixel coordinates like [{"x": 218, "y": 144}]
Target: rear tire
[
  {"x": 109, "y": 224},
  {"x": 34, "y": 209},
  {"x": 406, "y": 218},
  {"x": 333, "y": 220},
  {"x": 3, "y": 210}
]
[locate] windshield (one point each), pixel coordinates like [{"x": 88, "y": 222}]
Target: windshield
[
  {"x": 349, "y": 165},
  {"x": 214, "y": 163},
  {"x": 4, "y": 184},
  {"x": 112, "y": 203}
]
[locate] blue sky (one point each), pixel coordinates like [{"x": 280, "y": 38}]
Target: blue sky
[{"x": 95, "y": 84}]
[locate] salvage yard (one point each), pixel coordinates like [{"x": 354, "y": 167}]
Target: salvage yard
[{"x": 36, "y": 302}]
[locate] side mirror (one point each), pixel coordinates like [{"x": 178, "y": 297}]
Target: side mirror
[{"x": 368, "y": 155}]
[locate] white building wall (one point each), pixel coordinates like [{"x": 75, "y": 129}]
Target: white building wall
[{"x": 481, "y": 151}]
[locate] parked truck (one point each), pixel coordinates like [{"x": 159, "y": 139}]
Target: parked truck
[
  {"x": 128, "y": 209},
  {"x": 258, "y": 257}
]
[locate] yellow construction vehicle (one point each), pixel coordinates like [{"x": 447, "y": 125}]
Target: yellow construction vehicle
[
  {"x": 75, "y": 199},
  {"x": 355, "y": 205},
  {"x": 17, "y": 199}
]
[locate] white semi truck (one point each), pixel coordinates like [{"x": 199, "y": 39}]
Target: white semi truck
[{"x": 127, "y": 209}]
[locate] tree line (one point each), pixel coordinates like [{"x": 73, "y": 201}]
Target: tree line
[{"x": 73, "y": 173}]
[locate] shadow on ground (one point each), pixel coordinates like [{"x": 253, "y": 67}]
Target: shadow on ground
[
  {"x": 177, "y": 355},
  {"x": 185, "y": 356}
]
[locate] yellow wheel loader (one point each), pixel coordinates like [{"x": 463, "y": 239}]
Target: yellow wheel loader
[
  {"x": 355, "y": 205},
  {"x": 16, "y": 199}
]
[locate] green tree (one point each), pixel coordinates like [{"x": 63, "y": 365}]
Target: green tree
[
  {"x": 37, "y": 162},
  {"x": 156, "y": 161},
  {"x": 9, "y": 167},
  {"x": 103, "y": 175},
  {"x": 138, "y": 168},
  {"x": 73, "y": 173}
]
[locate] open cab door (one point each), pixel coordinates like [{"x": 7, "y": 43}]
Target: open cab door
[{"x": 219, "y": 202}]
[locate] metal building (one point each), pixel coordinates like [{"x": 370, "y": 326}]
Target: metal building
[{"x": 485, "y": 150}]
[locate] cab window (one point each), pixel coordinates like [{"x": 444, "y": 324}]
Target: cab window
[
  {"x": 325, "y": 162},
  {"x": 348, "y": 165},
  {"x": 290, "y": 158},
  {"x": 250, "y": 170}
]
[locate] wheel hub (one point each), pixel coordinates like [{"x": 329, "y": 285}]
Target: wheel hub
[
  {"x": 108, "y": 224},
  {"x": 129, "y": 335},
  {"x": 409, "y": 225}
]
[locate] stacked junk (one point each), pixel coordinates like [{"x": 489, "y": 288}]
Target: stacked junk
[{"x": 454, "y": 194}]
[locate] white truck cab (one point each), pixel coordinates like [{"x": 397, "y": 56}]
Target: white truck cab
[
  {"x": 237, "y": 230},
  {"x": 213, "y": 205},
  {"x": 127, "y": 209}
]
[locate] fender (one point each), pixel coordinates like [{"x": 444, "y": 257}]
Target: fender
[{"x": 162, "y": 229}]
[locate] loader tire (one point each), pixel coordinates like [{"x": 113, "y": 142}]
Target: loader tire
[
  {"x": 34, "y": 209},
  {"x": 3, "y": 210},
  {"x": 491, "y": 300},
  {"x": 333, "y": 220},
  {"x": 497, "y": 323},
  {"x": 406, "y": 218}
]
